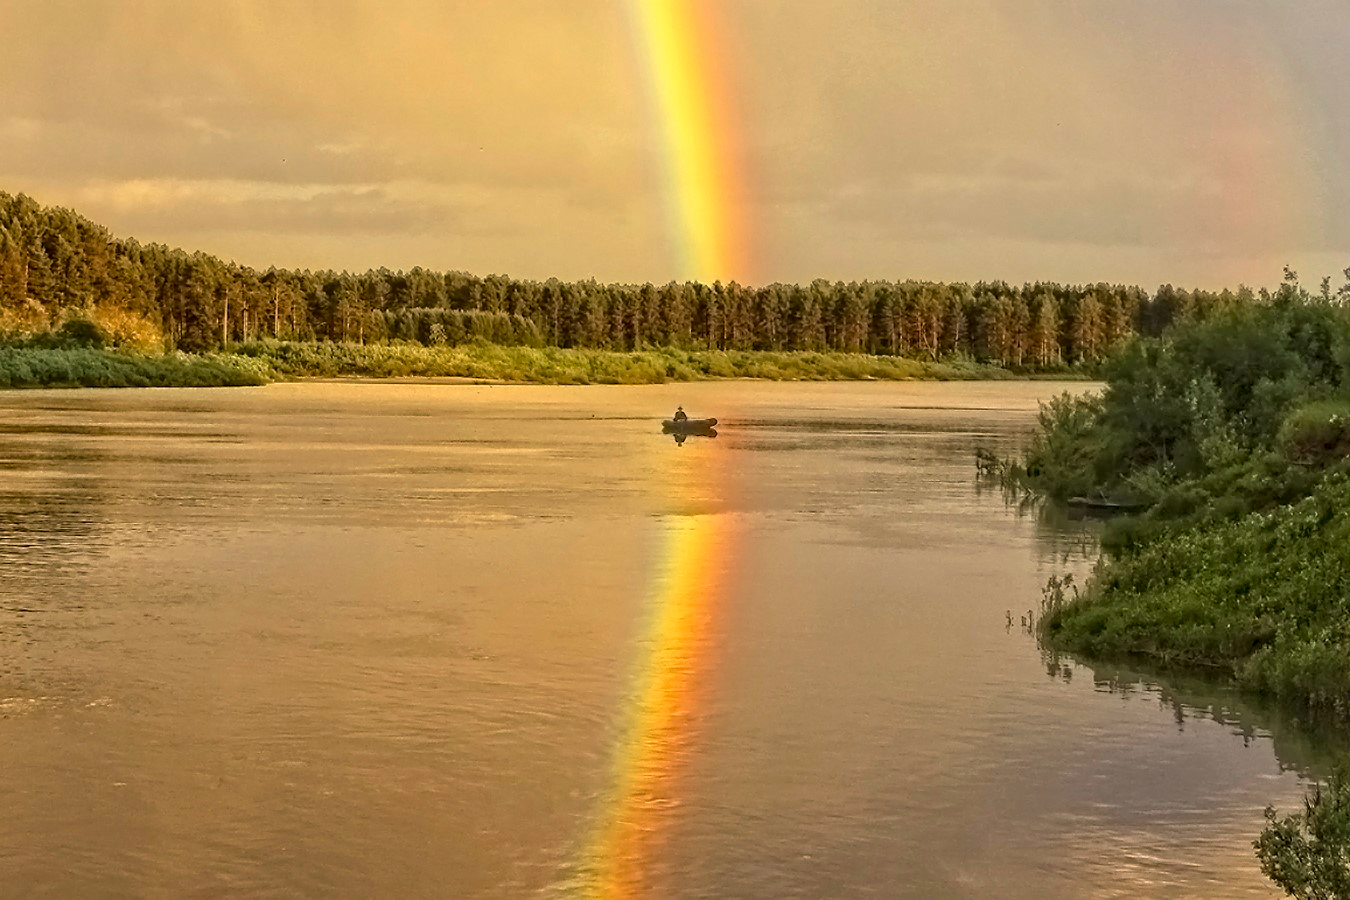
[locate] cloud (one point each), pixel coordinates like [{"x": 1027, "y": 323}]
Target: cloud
[
  {"x": 1023, "y": 201},
  {"x": 345, "y": 92},
  {"x": 1139, "y": 130},
  {"x": 192, "y": 206},
  {"x": 522, "y": 134}
]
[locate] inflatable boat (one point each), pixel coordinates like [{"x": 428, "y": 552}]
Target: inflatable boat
[{"x": 687, "y": 425}]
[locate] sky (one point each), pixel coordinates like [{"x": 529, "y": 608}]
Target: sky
[{"x": 1202, "y": 143}]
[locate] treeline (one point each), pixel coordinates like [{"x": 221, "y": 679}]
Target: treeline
[
  {"x": 439, "y": 325},
  {"x": 55, "y": 265}
]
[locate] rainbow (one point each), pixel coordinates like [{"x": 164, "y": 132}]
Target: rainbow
[
  {"x": 679, "y": 42},
  {"x": 662, "y": 715}
]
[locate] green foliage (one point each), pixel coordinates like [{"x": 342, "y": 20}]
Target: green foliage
[
  {"x": 1235, "y": 433},
  {"x": 53, "y": 261},
  {"x": 87, "y": 367},
  {"x": 79, "y": 333},
  {"x": 1066, "y": 451},
  {"x": 1227, "y": 431},
  {"x": 1317, "y": 433},
  {"x": 1201, "y": 401},
  {"x": 1308, "y": 853},
  {"x": 1057, "y": 594},
  {"x": 1263, "y": 599},
  {"x": 261, "y": 361},
  {"x": 438, "y": 325},
  {"x": 554, "y": 365},
  {"x": 1258, "y": 482}
]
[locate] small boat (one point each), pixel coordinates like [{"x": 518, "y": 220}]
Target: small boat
[
  {"x": 687, "y": 424},
  {"x": 684, "y": 429},
  {"x": 1102, "y": 504}
]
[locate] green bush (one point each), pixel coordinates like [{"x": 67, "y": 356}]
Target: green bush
[
  {"x": 1066, "y": 451},
  {"x": 1202, "y": 399},
  {"x": 1263, "y": 599},
  {"x": 553, "y": 365},
  {"x": 85, "y": 367},
  {"x": 79, "y": 333},
  {"x": 1317, "y": 433},
  {"x": 1308, "y": 853}
]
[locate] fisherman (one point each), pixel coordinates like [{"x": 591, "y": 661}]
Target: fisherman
[{"x": 679, "y": 414}]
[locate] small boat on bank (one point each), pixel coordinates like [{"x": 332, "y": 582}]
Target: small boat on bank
[{"x": 1104, "y": 505}]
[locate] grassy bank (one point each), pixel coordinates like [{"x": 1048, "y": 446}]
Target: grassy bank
[
  {"x": 552, "y": 365},
  {"x": 83, "y": 367},
  {"x": 260, "y": 362},
  {"x": 1231, "y": 437},
  {"x": 1263, "y": 599}
]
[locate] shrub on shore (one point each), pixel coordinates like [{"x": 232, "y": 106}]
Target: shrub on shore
[
  {"x": 1205, "y": 398},
  {"x": 87, "y": 367},
  {"x": 75, "y": 356},
  {"x": 1234, "y": 435},
  {"x": 1317, "y": 434},
  {"x": 1264, "y": 600},
  {"x": 1305, "y": 853},
  {"x": 554, "y": 365}
]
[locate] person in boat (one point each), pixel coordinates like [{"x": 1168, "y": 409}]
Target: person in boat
[{"x": 680, "y": 415}]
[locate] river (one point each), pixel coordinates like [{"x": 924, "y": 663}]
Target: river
[{"x": 425, "y": 640}]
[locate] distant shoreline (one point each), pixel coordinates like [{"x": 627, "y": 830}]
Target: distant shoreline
[{"x": 265, "y": 362}]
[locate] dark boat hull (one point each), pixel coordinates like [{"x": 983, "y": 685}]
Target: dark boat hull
[
  {"x": 1103, "y": 506},
  {"x": 688, "y": 425}
]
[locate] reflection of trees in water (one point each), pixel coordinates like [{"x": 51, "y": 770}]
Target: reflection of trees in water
[
  {"x": 1064, "y": 537},
  {"x": 51, "y": 506},
  {"x": 1068, "y": 539},
  {"x": 1310, "y": 748},
  {"x": 54, "y": 530}
]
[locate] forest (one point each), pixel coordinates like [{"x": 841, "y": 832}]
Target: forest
[{"x": 60, "y": 273}]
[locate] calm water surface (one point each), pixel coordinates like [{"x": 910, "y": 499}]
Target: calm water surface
[{"x": 461, "y": 641}]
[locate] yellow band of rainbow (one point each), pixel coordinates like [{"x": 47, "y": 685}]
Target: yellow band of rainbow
[
  {"x": 679, "y": 40},
  {"x": 674, "y": 664}
]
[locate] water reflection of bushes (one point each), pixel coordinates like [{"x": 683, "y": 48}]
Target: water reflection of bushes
[
  {"x": 1308, "y": 746},
  {"x": 49, "y": 523},
  {"x": 1064, "y": 537}
]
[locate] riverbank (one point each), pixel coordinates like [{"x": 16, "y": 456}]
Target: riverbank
[
  {"x": 265, "y": 361},
  {"x": 84, "y": 367},
  {"x": 1263, "y": 600},
  {"x": 1231, "y": 437}
]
